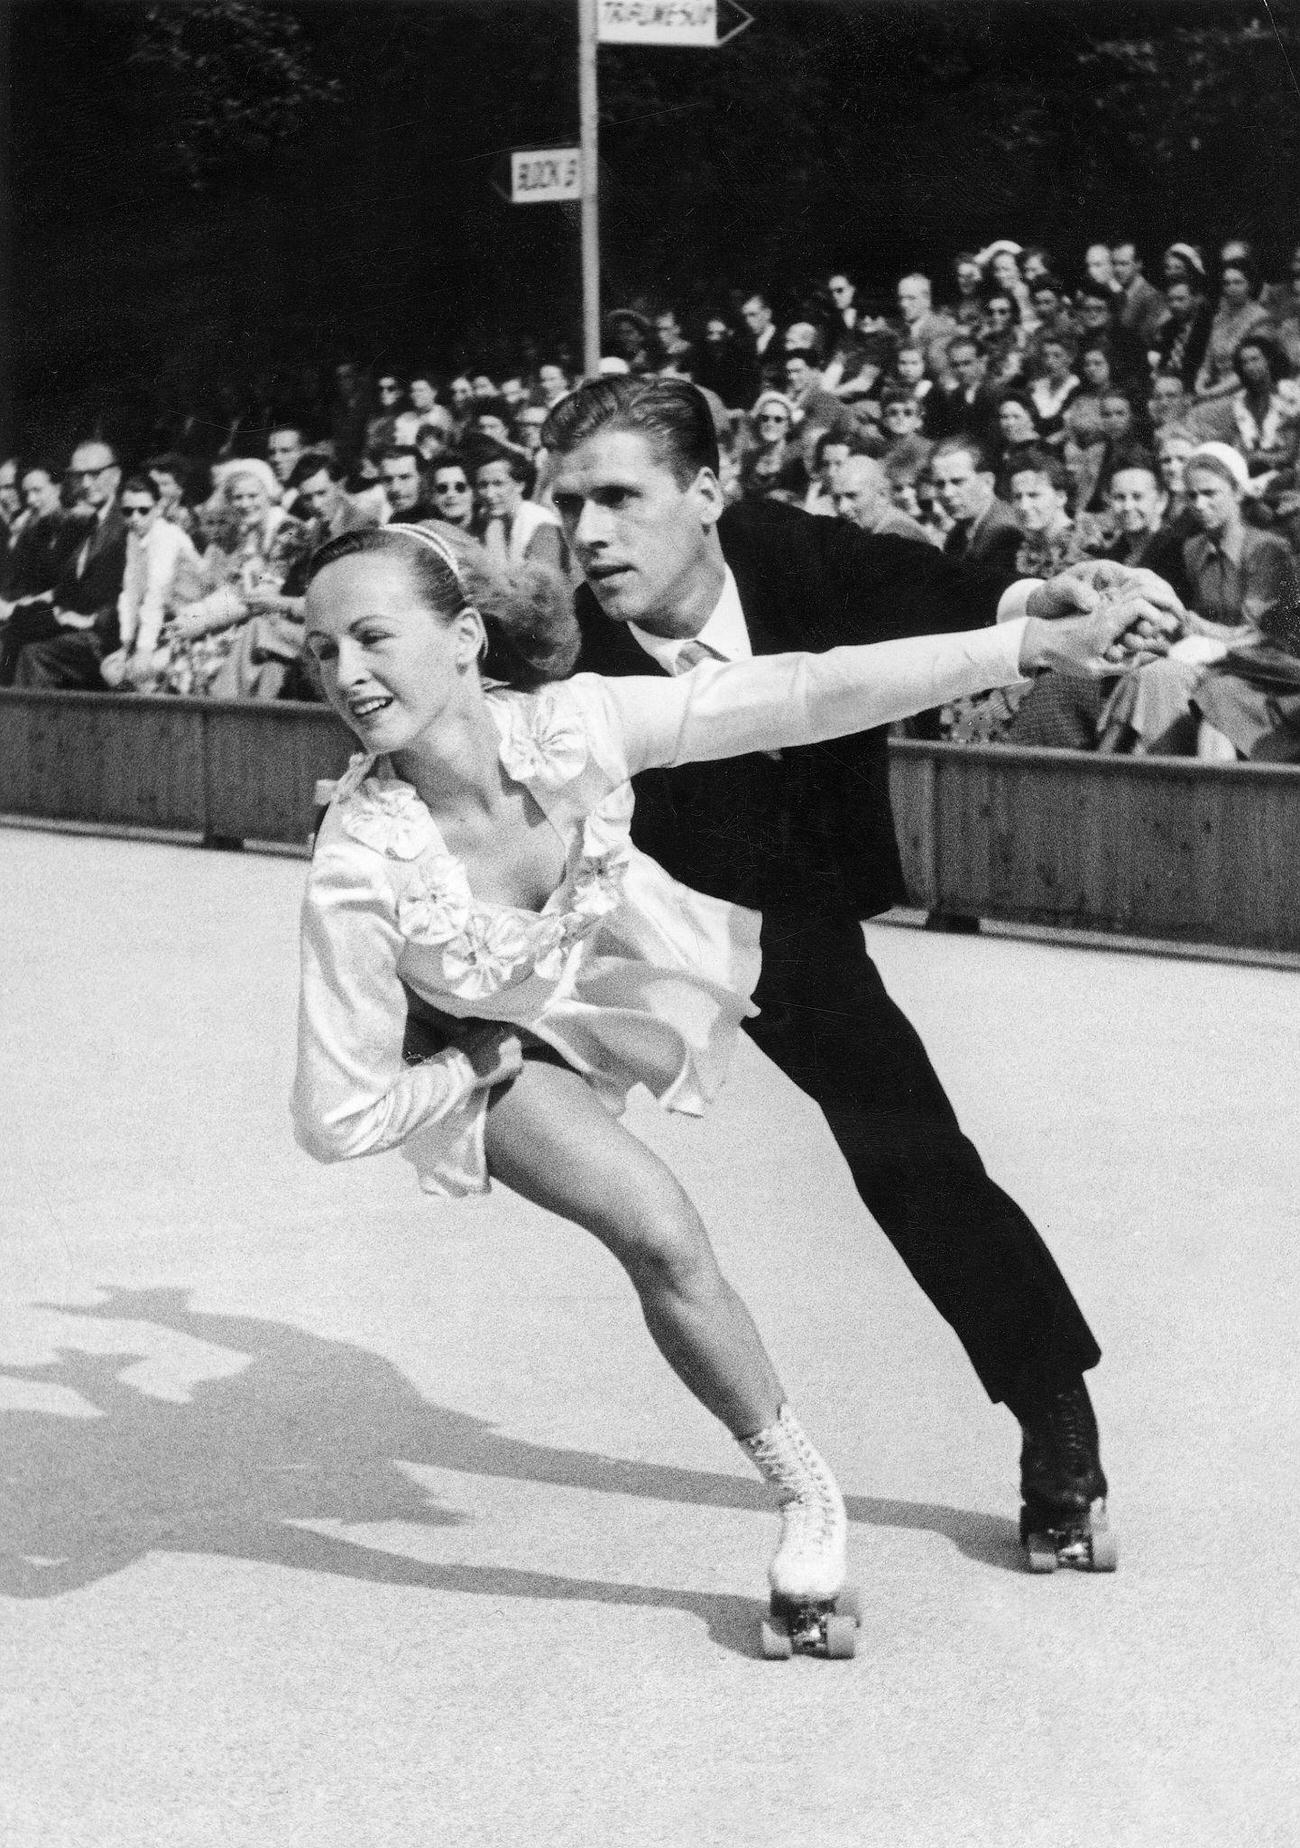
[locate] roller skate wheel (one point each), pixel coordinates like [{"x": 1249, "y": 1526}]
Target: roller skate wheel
[
  {"x": 1104, "y": 1551},
  {"x": 841, "y": 1637},
  {"x": 1041, "y": 1553},
  {"x": 849, "y": 1604},
  {"x": 775, "y": 1641}
]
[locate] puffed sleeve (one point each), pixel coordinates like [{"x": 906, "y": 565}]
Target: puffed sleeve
[
  {"x": 352, "y": 1093},
  {"x": 728, "y": 708}
]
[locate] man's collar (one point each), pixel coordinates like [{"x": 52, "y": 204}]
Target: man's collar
[{"x": 724, "y": 632}]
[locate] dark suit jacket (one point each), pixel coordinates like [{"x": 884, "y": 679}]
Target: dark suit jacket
[
  {"x": 993, "y": 540},
  {"x": 95, "y": 589},
  {"x": 811, "y": 831}
]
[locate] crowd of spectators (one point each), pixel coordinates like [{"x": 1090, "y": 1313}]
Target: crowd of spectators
[{"x": 1012, "y": 413}]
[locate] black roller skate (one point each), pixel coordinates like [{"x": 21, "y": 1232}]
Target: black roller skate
[{"x": 1063, "y": 1517}]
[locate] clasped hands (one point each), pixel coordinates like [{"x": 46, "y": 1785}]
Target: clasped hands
[{"x": 1098, "y": 618}]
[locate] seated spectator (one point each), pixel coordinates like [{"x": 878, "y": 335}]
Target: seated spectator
[
  {"x": 1004, "y": 276},
  {"x": 922, "y": 326},
  {"x": 403, "y": 483},
  {"x": 460, "y": 396},
  {"x": 1239, "y": 582},
  {"x": 1175, "y": 444},
  {"x": 861, "y": 344},
  {"x": 323, "y": 502},
  {"x": 451, "y": 492},
  {"x": 903, "y": 419},
  {"x": 1039, "y": 492},
  {"x": 1081, "y": 416},
  {"x": 720, "y": 366},
  {"x": 1249, "y": 703},
  {"x": 968, "y": 311},
  {"x": 815, "y": 410},
  {"x": 1140, "y": 307},
  {"x": 1184, "y": 334},
  {"x": 909, "y": 374},
  {"x": 37, "y": 541},
  {"x": 773, "y": 464},
  {"x": 1095, "y": 309},
  {"x": 527, "y": 436},
  {"x": 1284, "y": 311},
  {"x": 285, "y": 444},
  {"x": 552, "y": 383},
  {"x": 1265, "y": 410},
  {"x": 252, "y": 543},
  {"x": 760, "y": 344},
  {"x": 984, "y": 529},
  {"x": 630, "y": 337},
  {"x": 678, "y": 354},
  {"x": 514, "y": 530},
  {"x": 1184, "y": 263},
  {"x": 832, "y": 452},
  {"x": 61, "y": 643},
  {"x": 1002, "y": 341},
  {"x": 1237, "y": 314},
  {"x": 11, "y": 500},
  {"x": 381, "y": 427},
  {"x": 162, "y": 569},
  {"x": 1052, "y": 312},
  {"x": 963, "y": 404},
  {"x": 1139, "y": 516},
  {"x": 1082, "y": 463},
  {"x": 1053, "y": 384},
  {"x": 425, "y": 417},
  {"x": 181, "y": 484},
  {"x": 862, "y": 497},
  {"x": 911, "y": 488},
  {"x": 1018, "y": 436}
]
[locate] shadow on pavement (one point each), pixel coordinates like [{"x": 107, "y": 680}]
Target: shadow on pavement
[{"x": 315, "y": 1430}]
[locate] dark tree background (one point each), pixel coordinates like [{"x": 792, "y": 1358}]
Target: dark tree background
[{"x": 202, "y": 187}]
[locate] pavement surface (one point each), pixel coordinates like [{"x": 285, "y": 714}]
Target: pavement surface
[{"x": 338, "y": 1517}]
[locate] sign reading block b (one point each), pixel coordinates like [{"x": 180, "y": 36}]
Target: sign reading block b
[
  {"x": 540, "y": 176},
  {"x": 657, "y": 22}
]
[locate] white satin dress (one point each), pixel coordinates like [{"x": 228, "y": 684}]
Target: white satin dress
[{"x": 629, "y": 976}]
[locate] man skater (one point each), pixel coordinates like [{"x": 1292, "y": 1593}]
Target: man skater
[{"x": 807, "y": 839}]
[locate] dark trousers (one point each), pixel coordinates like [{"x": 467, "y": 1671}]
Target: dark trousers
[
  {"x": 30, "y": 622},
  {"x": 828, "y": 1023},
  {"x": 64, "y": 658}
]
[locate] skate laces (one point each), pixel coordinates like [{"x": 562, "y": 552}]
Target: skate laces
[{"x": 809, "y": 1500}]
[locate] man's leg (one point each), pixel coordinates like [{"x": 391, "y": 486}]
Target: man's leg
[
  {"x": 30, "y": 622},
  {"x": 70, "y": 660},
  {"x": 827, "y": 1021}
]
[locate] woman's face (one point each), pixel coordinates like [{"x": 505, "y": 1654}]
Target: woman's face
[
  {"x": 1254, "y": 368},
  {"x": 1096, "y": 370},
  {"x": 168, "y": 487},
  {"x": 773, "y": 423},
  {"x": 1097, "y": 263},
  {"x": 968, "y": 278},
  {"x": 998, "y": 315},
  {"x": 1056, "y": 361},
  {"x": 1236, "y": 288},
  {"x": 1006, "y": 271},
  {"x": 422, "y": 395},
  {"x": 1116, "y": 414},
  {"x": 911, "y": 366},
  {"x": 390, "y": 666},
  {"x": 1213, "y": 500},
  {"x": 249, "y": 500},
  {"x": 1015, "y": 423},
  {"x": 1173, "y": 463}
]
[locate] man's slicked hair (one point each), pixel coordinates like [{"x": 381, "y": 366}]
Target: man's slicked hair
[{"x": 670, "y": 414}]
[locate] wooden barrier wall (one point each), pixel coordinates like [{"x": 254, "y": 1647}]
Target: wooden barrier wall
[{"x": 1151, "y": 847}]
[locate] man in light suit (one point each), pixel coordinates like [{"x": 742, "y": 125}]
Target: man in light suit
[
  {"x": 806, "y": 838},
  {"x": 62, "y": 643}
]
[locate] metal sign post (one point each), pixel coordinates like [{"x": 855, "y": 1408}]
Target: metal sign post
[{"x": 588, "y": 118}]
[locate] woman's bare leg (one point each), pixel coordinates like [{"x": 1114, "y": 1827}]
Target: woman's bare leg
[{"x": 550, "y": 1140}]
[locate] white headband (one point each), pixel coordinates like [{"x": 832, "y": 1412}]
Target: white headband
[{"x": 435, "y": 544}]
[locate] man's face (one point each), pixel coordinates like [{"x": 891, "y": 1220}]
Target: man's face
[
  {"x": 1214, "y": 505},
  {"x": 1097, "y": 262},
  {"x": 998, "y": 314},
  {"x": 1124, "y": 263},
  {"x": 1167, "y": 402},
  {"x": 1047, "y": 304},
  {"x": 1174, "y": 452},
  {"x": 967, "y": 366},
  {"x": 423, "y": 396},
  {"x": 40, "y": 493},
  {"x": 140, "y": 512},
  {"x": 1178, "y": 300},
  {"x": 461, "y": 392},
  {"x": 283, "y": 452},
  {"x": 1115, "y": 415},
  {"x": 834, "y": 456},
  {"x": 1037, "y": 503},
  {"x": 798, "y": 376},
  {"x": 859, "y": 494},
  {"x": 1094, "y": 314},
  {"x": 912, "y": 302},
  {"x": 388, "y": 390},
  {"x": 489, "y": 425},
  {"x": 553, "y": 383},
  {"x": 666, "y": 326},
  {"x": 902, "y": 418},
  {"x": 963, "y": 491},
  {"x": 716, "y": 331},
  {"x": 452, "y": 496},
  {"x": 1056, "y": 359},
  {"x": 498, "y": 492},
  {"x": 643, "y": 541},
  {"x": 317, "y": 495},
  {"x": 512, "y": 391},
  {"x": 94, "y": 475},
  {"x": 1136, "y": 500},
  {"x": 841, "y": 291},
  {"x": 401, "y": 478},
  {"x": 482, "y": 387},
  {"x": 530, "y": 428},
  {"x": 757, "y": 315}
]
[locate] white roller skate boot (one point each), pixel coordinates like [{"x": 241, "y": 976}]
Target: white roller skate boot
[{"x": 807, "y": 1610}]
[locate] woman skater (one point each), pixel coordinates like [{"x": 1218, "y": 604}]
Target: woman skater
[{"x": 477, "y": 857}]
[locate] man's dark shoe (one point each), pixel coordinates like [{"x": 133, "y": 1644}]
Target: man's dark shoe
[{"x": 1062, "y": 1483}]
